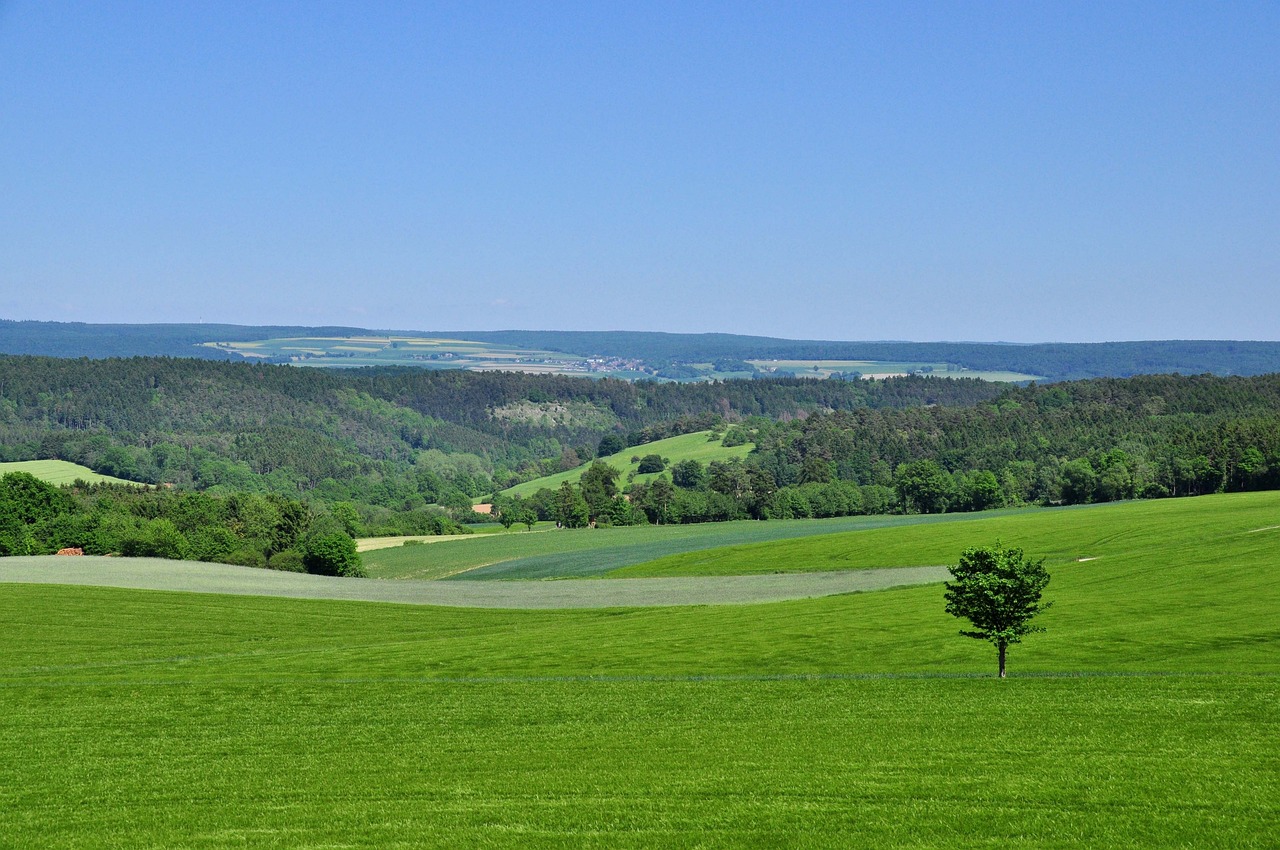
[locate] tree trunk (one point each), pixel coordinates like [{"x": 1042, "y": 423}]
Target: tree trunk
[{"x": 1002, "y": 646}]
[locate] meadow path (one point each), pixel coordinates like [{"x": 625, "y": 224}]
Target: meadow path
[{"x": 195, "y": 577}]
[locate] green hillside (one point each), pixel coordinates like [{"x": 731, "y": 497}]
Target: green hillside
[
  {"x": 583, "y": 552},
  {"x": 1145, "y": 716},
  {"x": 60, "y": 472},
  {"x": 699, "y": 446},
  {"x": 1158, "y": 530}
]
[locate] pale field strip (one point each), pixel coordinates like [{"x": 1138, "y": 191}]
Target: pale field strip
[
  {"x": 195, "y": 577},
  {"x": 368, "y": 544}
]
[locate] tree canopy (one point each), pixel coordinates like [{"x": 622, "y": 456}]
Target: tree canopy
[{"x": 998, "y": 590}]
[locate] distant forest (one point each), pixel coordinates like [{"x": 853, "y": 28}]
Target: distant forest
[
  {"x": 396, "y": 437},
  {"x": 383, "y": 447},
  {"x": 1055, "y": 361}
]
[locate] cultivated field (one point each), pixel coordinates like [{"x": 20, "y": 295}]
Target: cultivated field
[
  {"x": 1147, "y": 715},
  {"x": 423, "y": 352},
  {"x": 60, "y": 472},
  {"x": 884, "y": 369},
  {"x": 696, "y": 446},
  {"x": 188, "y": 720},
  {"x": 1159, "y": 531},
  {"x": 585, "y": 552}
]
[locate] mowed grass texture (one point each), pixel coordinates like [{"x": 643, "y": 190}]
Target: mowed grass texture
[{"x": 1145, "y": 717}]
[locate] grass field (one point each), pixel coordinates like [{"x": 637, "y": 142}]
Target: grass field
[
  {"x": 579, "y": 553},
  {"x": 1159, "y": 530},
  {"x": 696, "y": 446},
  {"x": 137, "y": 718},
  {"x": 60, "y": 472},
  {"x": 1147, "y": 715}
]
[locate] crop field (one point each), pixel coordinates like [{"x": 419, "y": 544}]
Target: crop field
[
  {"x": 1157, "y": 529},
  {"x": 585, "y": 552},
  {"x": 61, "y": 472},
  {"x": 1146, "y": 716},
  {"x": 426, "y": 352},
  {"x": 884, "y": 369},
  {"x": 697, "y": 446}
]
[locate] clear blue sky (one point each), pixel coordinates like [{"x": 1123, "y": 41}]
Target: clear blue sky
[{"x": 929, "y": 171}]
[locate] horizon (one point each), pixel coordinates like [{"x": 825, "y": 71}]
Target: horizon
[{"x": 460, "y": 334}]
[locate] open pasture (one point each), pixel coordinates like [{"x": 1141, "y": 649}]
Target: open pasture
[
  {"x": 1157, "y": 531},
  {"x": 190, "y": 720},
  {"x": 696, "y": 446},
  {"x": 60, "y": 472}
]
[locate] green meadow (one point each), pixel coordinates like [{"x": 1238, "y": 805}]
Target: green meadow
[
  {"x": 1158, "y": 531},
  {"x": 697, "y": 446},
  {"x": 60, "y": 472},
  {"x": 1147, "y": 715}
]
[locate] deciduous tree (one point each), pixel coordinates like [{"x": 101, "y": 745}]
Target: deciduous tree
[{"x": 998, "y": 590}]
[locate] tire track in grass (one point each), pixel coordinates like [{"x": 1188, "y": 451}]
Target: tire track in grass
[
  {"x": 607, "y": 679},
  {"x": 195, "y": 577}
]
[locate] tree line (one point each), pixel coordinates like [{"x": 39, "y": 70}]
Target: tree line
[
  {"x": 1075, "y": 443},
  {"x": 271, "y": 531}
]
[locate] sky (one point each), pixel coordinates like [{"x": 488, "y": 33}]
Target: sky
[{"x": 988, "y": 171}]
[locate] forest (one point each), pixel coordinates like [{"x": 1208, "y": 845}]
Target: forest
[{"x": 404, "y": 451}]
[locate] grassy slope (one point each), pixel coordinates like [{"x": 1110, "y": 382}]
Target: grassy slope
[
  {"x": 695, "y": 446},
  {"x": 586, "y": 552},
  {"x": 1151, "y": 531},
  {"x": 184, "y": 720},
  {"x": 60, "y": 472}
]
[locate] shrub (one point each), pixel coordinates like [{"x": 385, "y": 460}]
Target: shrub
[
  {"x": 333, "y": 554},
  {"x": 246, "y": 556},
  {"x": 289, "y": 561},
  {"x": 651, "y": 463}
]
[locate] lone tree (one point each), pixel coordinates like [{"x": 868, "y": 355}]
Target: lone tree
[{"x": 998, "y": 590}]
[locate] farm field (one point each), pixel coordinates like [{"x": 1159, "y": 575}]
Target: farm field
[
  {"x": 696, "y": 446},
  {"x": 584, "y": 552},
  {"x": 368, "y": 544},
  {"x": 1156, "y": 530},
  {"x": 160, "y": 574},
  {"x": 884, "y": 369},
  {"x": 61, "y": 472},
  {"x": 425, "y": 352},
  {"x": 1140, "y": 718}
]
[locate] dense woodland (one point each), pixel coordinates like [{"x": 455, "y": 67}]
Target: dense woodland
[
  {"x": 247, "y": 529},
  {"x": 400, "y": 438},
  {"x": 406, "y": 451}
]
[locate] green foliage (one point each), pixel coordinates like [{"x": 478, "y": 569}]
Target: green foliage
[
  {"x": 650, "y": 463},
  {"x": 31, "y": 500},
  {"x": 290, "y": 560},
  {"x": 998, "y": 590},
  {"x": 599, "y": 484},
  {"x": 333, "y": 554},
  {"x": 571, "y": 509},
  {"x": 923, "y": 487},
  {"x": 689, "y": 474},
  {"x": 610, "y": 444}
]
